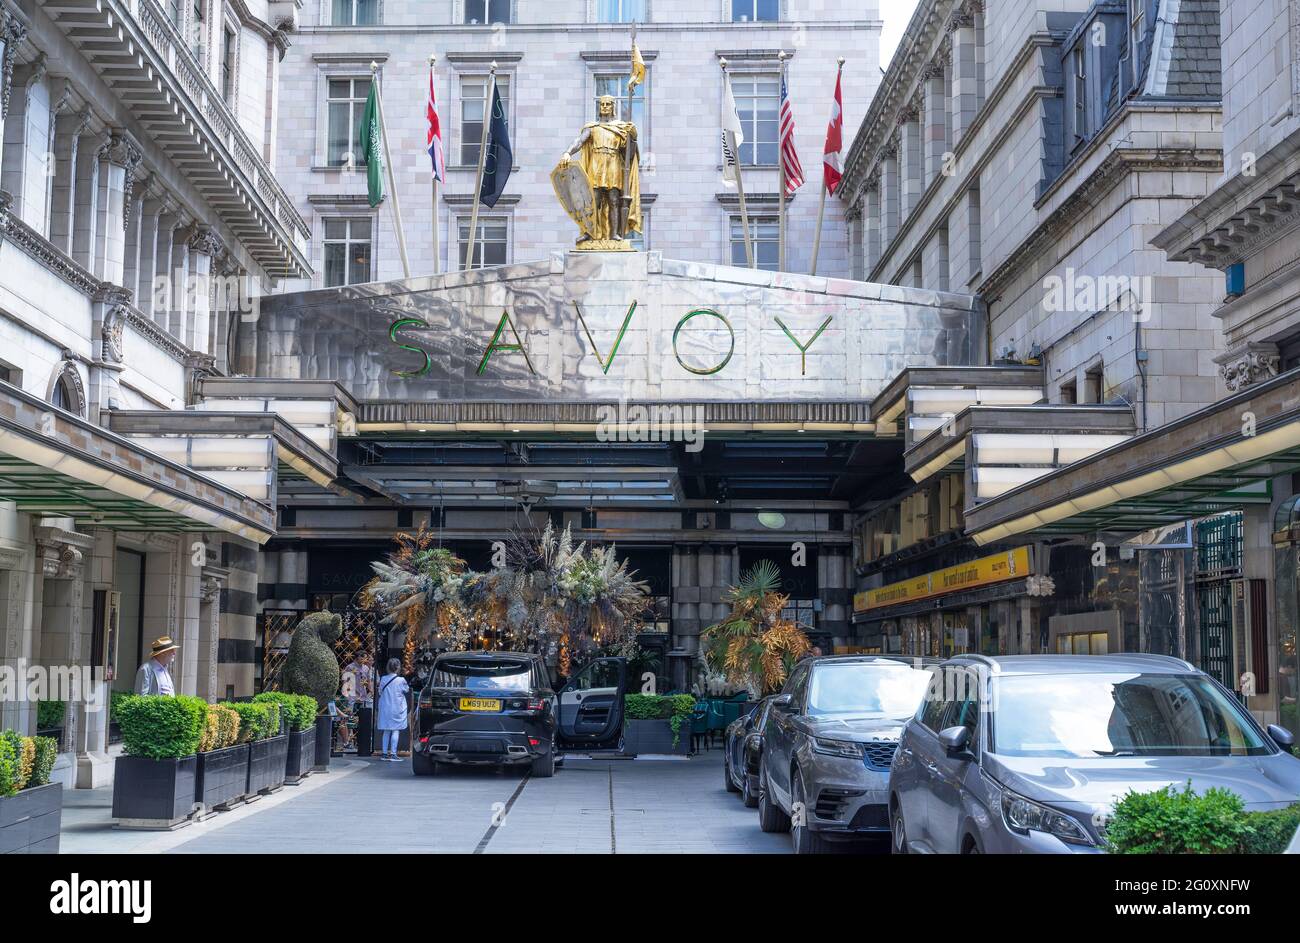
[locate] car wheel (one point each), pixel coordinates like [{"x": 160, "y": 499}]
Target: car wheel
[
  {"x": 421, "y": 765},
  {"x": 726, "y": 774},
  {"x": 898, "y": 832},
  {"x": 544, "y": 766},
  {"x": 747, "y": 794},
  {"x": 806, "y": 841},
  {"x": 770, "y": 816}
]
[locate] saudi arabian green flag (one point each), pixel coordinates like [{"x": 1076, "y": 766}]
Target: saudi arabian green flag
[{"x": 371, "y": 143}]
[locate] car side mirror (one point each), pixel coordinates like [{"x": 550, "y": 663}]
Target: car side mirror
[
  {"x": 782, "y": 702},
  {"x": 955, "y": 740},
  {"x": 1281, "y": 736}
]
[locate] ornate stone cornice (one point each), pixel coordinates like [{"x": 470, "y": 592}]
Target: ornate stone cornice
[
  {"x": 39, "y": 248},
  {"x": 1248, "y": 365},
  {"x": 1273, "y": 214}
]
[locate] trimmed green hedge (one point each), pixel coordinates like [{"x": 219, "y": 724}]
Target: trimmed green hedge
[
  {"x": 257, "y": 721},
  {"x": 25, "y": 762},
  {"x": 49, "y": 714},
  {"x": 47, "y": 751},
  {"x": 8, "y": 764},
  {"x": 1171, "y": 822},
  {"x": 160, "y": 726},
  {"x": 674, "y": 708},
  {"x": 298, "y": 709}
]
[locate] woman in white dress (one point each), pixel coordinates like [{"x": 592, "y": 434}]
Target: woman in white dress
[{"x": 392, "y": 713}]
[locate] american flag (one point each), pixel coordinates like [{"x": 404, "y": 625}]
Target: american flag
[
  {"x": 789, "y": 156},
  {"x": 435, "y": 134}
]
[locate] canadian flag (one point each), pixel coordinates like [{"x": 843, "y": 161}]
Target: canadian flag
[{"x": 834, "y": 142}]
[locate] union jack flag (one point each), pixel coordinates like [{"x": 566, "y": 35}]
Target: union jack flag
[
  {"x": 435, "y": 134},
  {"x": 789, "y": 156}
]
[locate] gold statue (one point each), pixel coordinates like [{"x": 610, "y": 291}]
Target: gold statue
[{"x": 601, "y": 188}]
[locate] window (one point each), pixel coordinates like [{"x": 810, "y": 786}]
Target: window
[
  {"x": 347, "y": 103},
  {"x": 640, "y": 240},
  {"x": 1137, "y": 27},
  {"x": 620, "y": 11},
  {"x": 229, "y": 50},
  {"x": 355, "y": 13},
  {"x": 763, "y": 233},
  {"x": 176, "y": 12},
  {"x": 483, "y": 12},
  {"x": 473, "y": 89},
  {"x": 758, "y": 104},
  {"x": 748, "y": 11},
  {"x": 492, "y": 241},
  {"x": 1069, "y": 392},
  {"x": 1082, "y": 643},
  {"x": 198, "y": 27},
  {"x": 1094, "y": 385},
  {"x": 616, "y": 85},
  {"x": 347, "y": 251},
  {"x": 1080, "y": 95}
]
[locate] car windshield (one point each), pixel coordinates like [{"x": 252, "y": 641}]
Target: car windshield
[
  {"x": 863, "y": 688},
  {"x": 1116, "y": 715},
  {"x": 487, "y": 677}
]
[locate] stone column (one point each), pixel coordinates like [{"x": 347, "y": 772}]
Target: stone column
[
  {"x": 164, "y": 288},
  {"x": 237, "y": 651},
  {"x": 68, "y": 130},
  {"x": 26, "y": 132},
  {"x": 85, "y": 202},
  {"x": 147, "y": 268},
  {"x": 874, "y": 222},
  {"x": 179, "y": 271},
  {"x": 118, "y": 160},
  {"x": 135, "y": 224},
  {"x": 18, "y": 643},
  {"x": 837, "y": 598},
  {"x": 203, "y": 244},
  {"x": 910, "y": 161},
  {"x": 62, "y": 554},
  {"x": 937, "y": 142},
  {"x": 890, "y": 193},
  {"x": 965, "y": 75}
]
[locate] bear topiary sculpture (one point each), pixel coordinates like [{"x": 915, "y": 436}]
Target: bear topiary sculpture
[{"x": 311, "y": 667}]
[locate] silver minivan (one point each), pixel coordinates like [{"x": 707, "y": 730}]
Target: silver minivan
[{"x": 1029, "y": 753}]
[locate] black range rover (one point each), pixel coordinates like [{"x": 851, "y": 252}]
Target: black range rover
[{"x": 487, "y": 708}]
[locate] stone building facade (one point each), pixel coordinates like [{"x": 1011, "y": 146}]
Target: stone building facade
[{"x": 553, "y": 60}]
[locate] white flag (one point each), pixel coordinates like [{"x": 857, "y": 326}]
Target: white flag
[{"x": 731, "y": 130}]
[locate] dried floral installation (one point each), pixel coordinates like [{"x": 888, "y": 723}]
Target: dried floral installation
[{"x": 755, "y": 645}]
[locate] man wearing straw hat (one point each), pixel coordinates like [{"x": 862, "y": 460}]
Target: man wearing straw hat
[{"x": 154, "y": 676}]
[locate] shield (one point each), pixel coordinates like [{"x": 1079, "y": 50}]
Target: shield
[{"x": 573, "y": 190}]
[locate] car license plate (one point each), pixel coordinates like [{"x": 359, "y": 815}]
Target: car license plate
[{"x": 480, "y": 704}]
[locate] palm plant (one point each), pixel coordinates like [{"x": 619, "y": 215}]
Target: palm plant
[
  {"x": 755, "y": 645},
  {"x": 417, "y": 588}
]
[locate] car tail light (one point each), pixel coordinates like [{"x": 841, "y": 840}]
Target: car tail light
[
  {"x": 424, "y": 739},
  {"x": 536, "y": 704},
  {"x": 533, "y": 741}
]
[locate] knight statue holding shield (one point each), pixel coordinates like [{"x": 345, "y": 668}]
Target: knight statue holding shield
[{"x": 598, "y": 181}]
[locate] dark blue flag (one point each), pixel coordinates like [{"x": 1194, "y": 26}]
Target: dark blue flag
[{"x": 500, "y": 158}]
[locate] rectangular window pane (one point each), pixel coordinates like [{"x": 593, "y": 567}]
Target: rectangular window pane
[
  {"x": 358, "y": 262},
  {"x": 472, "y": 92},
  {"x": 616, "y": 85},
  {"x": 340, "y": 133},
  {"x": 367, "y": 12},
  {"x": 769, "y": 10},
  {"x": 335, "y": 264},
  {"x": 342, "y": 13},
  {"x": 491, "y": 249},
  {"x": 620, "y": 11}
]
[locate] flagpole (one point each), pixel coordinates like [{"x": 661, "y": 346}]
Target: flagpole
[
  {"x": 388, "y": 159},
  {"x": 740, "y": 186},
  {"x": 482, "y": 161},
  {"x": 821, "y": 207},
  {"x": 437, "y": 247},
  {"x": 780, "y": 160}
]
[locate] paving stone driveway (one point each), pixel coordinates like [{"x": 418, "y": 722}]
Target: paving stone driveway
[{"x": 590, "y": 806}]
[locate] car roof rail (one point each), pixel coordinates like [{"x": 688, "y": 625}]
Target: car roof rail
[{"x": 1168, "y": 660}]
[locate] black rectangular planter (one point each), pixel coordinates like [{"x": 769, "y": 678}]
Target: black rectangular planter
[
  {"x": 153, "y": 793},
  {"x": 654, "y": 736},
  {"x": 300, "y": 754},
  {"x": 29, "y": 821},
  {"x": 266, "y": 764},
  {"x": 222, "y": 776}
]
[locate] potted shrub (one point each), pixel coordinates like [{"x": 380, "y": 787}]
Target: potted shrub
[
  {"x": 154, "y": 778},
  {"x": 299, "y": 714},
  {"x": 655, "y": 723},
  {"x": 267, "y": 754},
  {"x": 31, "y": 807},
  {"x": 222, "y": 779}
]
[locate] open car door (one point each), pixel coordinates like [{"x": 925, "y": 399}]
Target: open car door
[{"x": 591, "y": 704}]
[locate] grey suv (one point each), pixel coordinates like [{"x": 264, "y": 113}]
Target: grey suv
[
  {"x": 1029, "y": 753},
  {"x": 827, "y": 745}
]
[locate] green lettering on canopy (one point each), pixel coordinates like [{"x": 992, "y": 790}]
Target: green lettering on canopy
[
  {"x": 494, "y": 344},
  {"x": 699, "y": 371},
  {"x": 392, "y": 336},
  {"x": 605, "y": 364},
  {"x": 803, "y": 348}
]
